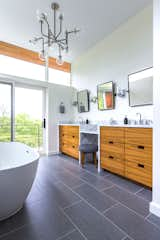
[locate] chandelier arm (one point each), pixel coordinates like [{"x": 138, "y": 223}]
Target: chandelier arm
[
  {"x": 43, "y": 35},
  {"x": 55, "y": 11},
  {"x": 60, "y": 27}
]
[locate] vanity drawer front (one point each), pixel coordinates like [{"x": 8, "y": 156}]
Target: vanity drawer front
[
  {"x": 73, "y": 140},
  {"x": 113, "y": 162},
  {"x": 139, "y": 172},
  {"x": 73, "y": 151},
  {"x": 112, "y": 134},
  {"x": 136, "y": 153},
  {"x": 63, "y": 147},
  {"x": 111, "y": 146},
  {"x": 138, "y": 136}
]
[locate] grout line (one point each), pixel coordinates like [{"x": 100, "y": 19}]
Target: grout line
[
  {"x": 73, "y": 204},
  {"x": 14, "y": 230},
  {"x": 155, "y": 225},
  {"x": 133, "y": 211},
  {"x": 73, "y": 223},
  {"x": 101, "y": 215},
  {"x": 147, "y": 215},
  {"x": 139, "y": 191},
  {"x": 80, "y": 185},
  {"x": 66, "y": 235},
  {"x": 104, "y": 189},
  {"x": 116, "y": 204}
]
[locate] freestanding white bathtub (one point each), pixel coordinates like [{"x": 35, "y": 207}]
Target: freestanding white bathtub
[{"x": 18, "y": 165}]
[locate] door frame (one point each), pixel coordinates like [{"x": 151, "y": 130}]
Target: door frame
[{"x": 12, "y": 116}]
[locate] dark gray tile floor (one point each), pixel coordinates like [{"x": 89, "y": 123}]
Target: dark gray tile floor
[{"x": 70, "y": 203}]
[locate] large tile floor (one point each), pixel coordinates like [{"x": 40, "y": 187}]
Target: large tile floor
[{"x": 71, "y": 203}]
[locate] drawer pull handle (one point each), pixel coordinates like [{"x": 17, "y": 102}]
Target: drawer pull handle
[
  {"x": 73, "y": 146},
  {"x": 140, "y": 165},
  {"x": 110, "y": 142},
  {"x": 141, "y": 147},
  {"x": 73, "y": 136},
  {"x": 111, "y": 157}
]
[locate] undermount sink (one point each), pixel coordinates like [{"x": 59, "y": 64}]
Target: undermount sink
[{"x": 88, "y": 128}]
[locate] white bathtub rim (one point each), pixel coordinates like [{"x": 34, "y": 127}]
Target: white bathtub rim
[
  {"x": 18, "y": 167},
  {"x": 21, "y": 165}
]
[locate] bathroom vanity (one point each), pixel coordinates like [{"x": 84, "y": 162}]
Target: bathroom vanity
[
  {"x": 125, "y": 150},
  {"x": 69, "y": 140}
]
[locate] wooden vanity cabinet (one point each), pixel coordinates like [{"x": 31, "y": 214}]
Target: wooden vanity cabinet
[
  {"x": 112, "y": 149},
  {"x": 127, "y": 152},
  {"x": 69, "y": 140},
  {"x": 138, "y": 155}
]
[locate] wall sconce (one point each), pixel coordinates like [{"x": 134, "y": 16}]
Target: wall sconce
[
  {"x": 93, "y": 99},
  {"x": 62, "y": 108},
  {"x": 74, "y": 103},
  {"x": 121, "y": 92}
]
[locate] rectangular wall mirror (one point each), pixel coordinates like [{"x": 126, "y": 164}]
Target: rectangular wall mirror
[
  {"x": 140, "y": 86},
  {"x": 105, "y": 94},
  {"x": 83, "y": 101}
]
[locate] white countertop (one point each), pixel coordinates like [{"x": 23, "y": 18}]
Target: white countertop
[{"x": 107, "y": 125}]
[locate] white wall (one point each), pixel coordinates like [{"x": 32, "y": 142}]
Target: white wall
[
  {"x": 126, "y": 50},
  {"x": 155, "y": 205},
  {"x": 56, "y": 95}
]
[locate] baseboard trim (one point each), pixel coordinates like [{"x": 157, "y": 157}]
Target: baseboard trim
[
  {"x": 155, "y": 209},
  {"x": 52, "y": 153}
]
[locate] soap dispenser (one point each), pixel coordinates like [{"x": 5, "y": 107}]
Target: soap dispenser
[{"x": 125, "y": 120}]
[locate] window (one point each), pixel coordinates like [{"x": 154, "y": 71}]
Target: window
[
  {"x": 15, "y": 67},
  {"x": 59, "y": 77},
  {"x": 19, "y": 68}
]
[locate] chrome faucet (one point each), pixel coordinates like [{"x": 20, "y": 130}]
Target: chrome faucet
[
  {"x": 80, "y": 120},
  {"x": 140, "y": 117}
]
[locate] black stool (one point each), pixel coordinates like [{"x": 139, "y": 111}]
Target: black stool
[{"x": 88, "y": 148}]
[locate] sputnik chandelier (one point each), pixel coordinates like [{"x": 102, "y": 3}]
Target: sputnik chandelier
[{"x": 49, "y": 38}]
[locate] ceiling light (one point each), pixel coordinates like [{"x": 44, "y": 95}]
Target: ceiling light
[{"x": 49, "y": 38}]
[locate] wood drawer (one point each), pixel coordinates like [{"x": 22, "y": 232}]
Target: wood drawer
[
  {"x": 113, "y": 162},
  {"x": 112, "y": 147},
  {"x": 112, "y": 134},
  {"x": 138, "y": 136},
  {"x": 136, "y": 153},
  {"x": 139, "y": 172},
  {"x": 73, "y": 151}
]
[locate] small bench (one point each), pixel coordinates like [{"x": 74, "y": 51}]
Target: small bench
[{"x": 88, "y": 148}]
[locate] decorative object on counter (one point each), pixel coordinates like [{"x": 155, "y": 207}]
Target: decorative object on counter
[
  {"x": 51, "y": 37},
  {"x": 87, "y": 121},
  {"x": 140, "y": 86},
  {"x": 112, "y": 121},
  {"x": 121, "y": 92},
  {"x": 62, "y": 108},
  {"x": 105, "y": 93},
  {"x": 83, "y": 101},
  {"x": 126, "y": 120}
]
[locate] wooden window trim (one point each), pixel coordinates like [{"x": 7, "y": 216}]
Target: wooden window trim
[{"x": 14, "y": 51}]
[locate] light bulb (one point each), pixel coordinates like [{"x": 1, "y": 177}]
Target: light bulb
[
  {"x": 59, "y": 60},
  {"x": 43, "y": 55},
  {"x": 40, "y": 16}
]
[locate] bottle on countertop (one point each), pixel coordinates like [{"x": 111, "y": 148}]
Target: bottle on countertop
[
  {"x": 87, "y": 121},
  {"x": 125, "y": 120}
]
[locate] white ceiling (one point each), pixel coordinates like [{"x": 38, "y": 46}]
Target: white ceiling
[{"x": 96, "y": 19}]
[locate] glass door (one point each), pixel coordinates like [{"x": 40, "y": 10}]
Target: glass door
[
  {"x": 29, "y": 116},
  {"x": 6, "y": 112}
]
